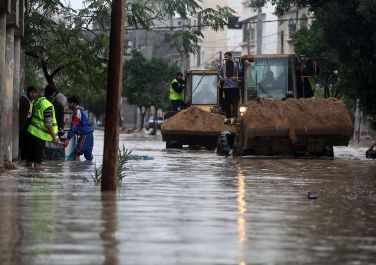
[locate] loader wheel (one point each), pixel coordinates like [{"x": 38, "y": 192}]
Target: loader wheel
[
  {"x": 173, "y": 144},
  {"x": 224, "y": 143},
  {"x": 328, "y": 151}
]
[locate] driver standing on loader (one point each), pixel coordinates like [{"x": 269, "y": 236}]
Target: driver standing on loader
[
  {"x": 229, "y": 83},
  {"x": 176, "y": 92}
]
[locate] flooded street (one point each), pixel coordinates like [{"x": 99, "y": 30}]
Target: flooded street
[{"x": 192, "y": 207}]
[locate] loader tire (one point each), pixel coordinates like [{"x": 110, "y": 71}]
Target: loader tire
[
  {"x": 173, "y": 144},
  {"x": 328, "y": 151},
  {"x": 224, "y": 144}
]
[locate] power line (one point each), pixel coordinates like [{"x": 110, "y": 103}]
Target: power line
[{"x": 202, "y": 26}]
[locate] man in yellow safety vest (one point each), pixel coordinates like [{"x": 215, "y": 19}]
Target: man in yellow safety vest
[
  {"x": 176, "y": 92},
  {"x": 43, "y": 127}
]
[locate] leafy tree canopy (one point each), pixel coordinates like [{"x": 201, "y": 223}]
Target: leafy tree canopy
[
  {"x": 146, "y": 81},
  {"x": 343, "y": 38},
  {"x": 71, "y": 47}
]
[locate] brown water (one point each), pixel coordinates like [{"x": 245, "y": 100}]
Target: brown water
[{"x": 192, "y": 207}]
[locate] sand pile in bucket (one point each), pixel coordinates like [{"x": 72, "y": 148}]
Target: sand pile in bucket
[
  {"x": 304, "y": 116},
  {"x": 194, "y": 119}
]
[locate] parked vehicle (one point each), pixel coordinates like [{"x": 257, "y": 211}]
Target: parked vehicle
[{"x": 150, "y": 122}]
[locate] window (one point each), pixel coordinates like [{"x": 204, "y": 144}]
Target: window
[
  {"x": 292, "y": 26},
  {"x": 303, "y": 21},
  {"x": 204, "y": 89},
  {"x": 267, "y": 77}
]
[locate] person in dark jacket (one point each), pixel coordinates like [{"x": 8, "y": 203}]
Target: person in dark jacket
[
  {"x": 81, "y": 127},
  {"x": 26, "y": 110},
  {"x": 59, "y": 104},
  {"x": 229, "y": 71},
  {"x": 42, "y": 128}
]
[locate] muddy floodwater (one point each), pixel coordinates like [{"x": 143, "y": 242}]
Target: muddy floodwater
[{"x": 192, "y": 207}]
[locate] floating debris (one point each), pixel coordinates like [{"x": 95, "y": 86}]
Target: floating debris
[
  {"x": 140, "y": 157},
  {"x": 312, "y": 195}
]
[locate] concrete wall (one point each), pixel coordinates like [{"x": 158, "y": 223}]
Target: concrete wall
[{"x": 11, "y": 32}]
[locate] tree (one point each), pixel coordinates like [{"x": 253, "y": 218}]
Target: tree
[
  {"x": 159, "y": 76},
  {"x": 48, "y": 36},
  {"x": 59, "y": 43},
  {"x": 71, "y": 48},
  {"x": 312, "y": 44},
  {"x": 346, "y": 28},
  {"x": 146, "y": 82}
]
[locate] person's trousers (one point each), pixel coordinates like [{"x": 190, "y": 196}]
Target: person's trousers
[
  {"x": 176, "y": 104},
  {"x": 24, "y": 144},
  {"x": 85, "y": 146},
  {"x": 232, "y": 98},
  {"x": 35, "y": 149}
]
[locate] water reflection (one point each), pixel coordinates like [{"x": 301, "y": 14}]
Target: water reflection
[
  {"x": 108, "y": 235},
  {"x": 191, "y": 207},
  {"x": 242, "y": 208}
]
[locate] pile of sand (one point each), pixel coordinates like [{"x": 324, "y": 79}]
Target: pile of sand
[
  {"x": 197, "y": 120},
  {"x": 299, "y": 116}
]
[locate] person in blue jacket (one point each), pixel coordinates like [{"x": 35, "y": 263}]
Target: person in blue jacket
[{"x": 81, "y": 127}]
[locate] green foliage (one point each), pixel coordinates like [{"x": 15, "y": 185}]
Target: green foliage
[
  {"x": 311, "y": 43},
  {"x": 146, "y": 81},
  {"x": 32, "y": 78},
  {"x": 343, "y": 37},
  {"x": 71, "y": 48},
  {"x": 213, "y": 65},
  {"x": 122, "y": 166}
]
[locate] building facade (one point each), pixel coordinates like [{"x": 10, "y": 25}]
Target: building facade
[
  {"x": 215, "y": 43},
  {"x": 288, "y": 24},
  {"x": 259, "y": 30}
]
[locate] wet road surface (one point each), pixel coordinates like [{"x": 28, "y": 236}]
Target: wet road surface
[{"x": 192, "y": 207}]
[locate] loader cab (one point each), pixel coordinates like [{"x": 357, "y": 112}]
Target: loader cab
[
  {"x": 201, "y": 89},
  {"x": 268, "y": 76}
]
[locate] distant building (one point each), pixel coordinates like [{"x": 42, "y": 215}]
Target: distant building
[
  {"x": 215, "y": 43},
  {"x": 288, "y": 24},
  {"x": 156, "y": 42},
  {"x": 268, "y": 33}
]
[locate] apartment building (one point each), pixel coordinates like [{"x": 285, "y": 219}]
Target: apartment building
[
  {"x": 288, "y": 24},
  {"x": 259, "y": 30},
  {"x": 215, "y": 43}
]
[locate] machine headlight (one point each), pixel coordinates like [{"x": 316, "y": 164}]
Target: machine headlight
[{"x": 242, "y": 109}]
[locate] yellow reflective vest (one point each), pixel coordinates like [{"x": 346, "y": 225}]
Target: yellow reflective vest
[
  {"x": 37, "y": 126},
  {"x": 173, "y": 94}
]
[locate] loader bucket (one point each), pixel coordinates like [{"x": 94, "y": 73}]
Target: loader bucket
[
  {"x": 294, "y": 126},
  {"x": 194, "y": 127}
]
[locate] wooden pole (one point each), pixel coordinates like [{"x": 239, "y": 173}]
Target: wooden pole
[{"x": 114, "y": 84}]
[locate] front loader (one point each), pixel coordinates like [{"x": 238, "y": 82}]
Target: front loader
[
  {"x": 280, "y": 117},
  {"x": 200, "y": 122}
]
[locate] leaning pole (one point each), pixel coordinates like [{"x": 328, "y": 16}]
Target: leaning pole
[{"x": 114, "y": 81}]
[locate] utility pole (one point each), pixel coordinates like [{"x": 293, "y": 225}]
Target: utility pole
[
  {"x": 248, "y": 35},
  {"x": 114, "y": 81},
  {"x": 259, "y": 31}
]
